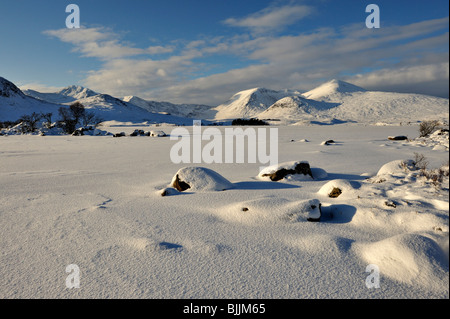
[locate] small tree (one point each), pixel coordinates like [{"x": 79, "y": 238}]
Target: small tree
[
  {"x": 78, "y": 111},
  {"x": 89, "y": 118},
  {"x": 29, "y": 122},
  {"x": 428, "y": 127},
  {"x": 420, "y": 162},
  {"x": 48, "y": 119},
  {"x": 68, "y": 123}
]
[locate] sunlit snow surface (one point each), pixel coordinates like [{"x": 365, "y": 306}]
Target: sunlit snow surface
[{"x": 95, "y": 201}]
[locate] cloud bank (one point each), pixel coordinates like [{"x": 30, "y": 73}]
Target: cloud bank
[{"x": 404, "y": 58}]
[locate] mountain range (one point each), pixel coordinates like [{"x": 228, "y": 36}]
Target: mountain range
[{"x": 332, "y": 102}]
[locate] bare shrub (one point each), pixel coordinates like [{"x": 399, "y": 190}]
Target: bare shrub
[
  {"x": 420, "y": 161},
  {"x": 428, "y": 127}
]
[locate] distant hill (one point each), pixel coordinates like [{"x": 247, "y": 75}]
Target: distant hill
[
  {"x": 14, "y": 103},
  {"x": 333, "y": 102}
]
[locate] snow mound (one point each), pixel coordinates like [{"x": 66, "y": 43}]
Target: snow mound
[
  {"x": 438, "y": 140},
  {"x": 339, "y": 188},
  {"x": 397, "y": 167},
  {"x": 200, "y": 179},
  {"x": 408, "y": 258},
  {"x": 271, "y": 210}
]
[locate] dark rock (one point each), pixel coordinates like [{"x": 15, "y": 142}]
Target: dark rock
[
  {"x": 119, "y": 134},
  {"x": 397, "y": 138},
  {"x": 390, "y": 204},
  {"x": 335, "y": 193},
  {"x": 329, "y": 142},
  {"x": 301, "y": 168},
  {"x": 78, "y": 132},
  {"x": 138, "y": 133},
  {"x": 180, "y": 185}
]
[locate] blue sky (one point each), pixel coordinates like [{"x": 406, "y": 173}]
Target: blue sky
[{"x": 204, "y": 51}]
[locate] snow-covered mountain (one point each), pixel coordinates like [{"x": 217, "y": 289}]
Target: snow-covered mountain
[
  {"x": 67, "y": 95},
  {"x": 196, "y": 111},
  {"x": 250, "y": 103},
  {"x": 14, "y": 104},
  {"x": 338, "y": 101},
  {"x": 332, "y": 90},
  {"x": 332, "y": 102}
]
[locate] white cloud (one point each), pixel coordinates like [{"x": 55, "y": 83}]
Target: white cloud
[
  {"x": 36, "y": 86},
  {"x": 427, "y": 79},
  {"x": 392, "y": 57},
  {"x": 160, "y": 49},
  {"x": 272, "y": 18},
  {"x": 99, "y": 43},
  {"x": 306, "y": 60}
]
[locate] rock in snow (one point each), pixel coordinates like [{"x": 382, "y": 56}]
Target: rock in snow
[
  {"x": 279, "y": 172},
  {"x": 199, "y": 179}
]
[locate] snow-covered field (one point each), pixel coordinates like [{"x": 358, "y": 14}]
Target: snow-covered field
[{"x": 95, "y": 201}]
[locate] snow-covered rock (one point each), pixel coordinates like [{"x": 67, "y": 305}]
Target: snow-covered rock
[
  {"x": 346, "y": 188},
  {"x": 157, "y": 134},
  {"x": 292, "y": 171},
  {"x": 200, "y": 179},
  {"x": 397, "y": 167}
]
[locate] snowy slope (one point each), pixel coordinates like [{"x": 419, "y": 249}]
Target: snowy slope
[
  {"x": 295, "y": 108},
  {"x": 196, "y": 111},
  {"x": 249, "y": 103},
  {"x": 332, "y": 89},
  {"x": 386, "y": 107},
  {"x": 14, "y": 104}
]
